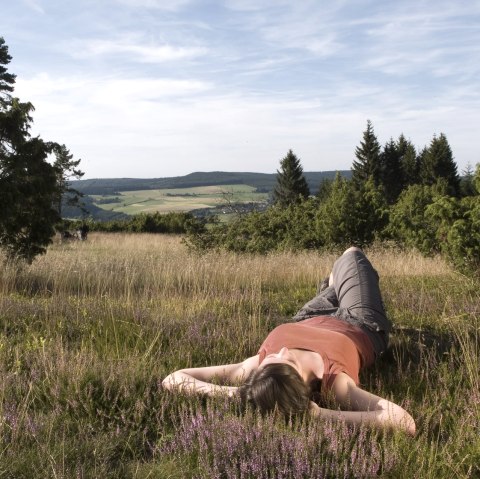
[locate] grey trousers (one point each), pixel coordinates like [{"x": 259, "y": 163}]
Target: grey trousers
[{"x": 353, "y": 297}]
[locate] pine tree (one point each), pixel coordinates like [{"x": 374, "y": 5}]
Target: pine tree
[
  {"x": 391, "y": 174},
  {"x": 291, "y": 185},
  {"x": 7, "y": 80},
  {"x": 408, "y": 161},
  {"x": 421, "y": 158},
  {"x": 351, "y": 214},
  {"x": 324, "y": 189},
  {"x": 367, "y": 164},
  {"x": 467, "y": 185},
  {"x": 438, "y": 163},
  {"x": 28, "y": 182}
]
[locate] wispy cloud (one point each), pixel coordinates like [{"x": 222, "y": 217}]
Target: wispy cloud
[
  {"x": 147, "y": 53},
  {"x": 101, "y": 91},
  {"x": 291, "y": 25},
  {"x": 34, "y": 5},
  {"x": 408, "y": 39}
]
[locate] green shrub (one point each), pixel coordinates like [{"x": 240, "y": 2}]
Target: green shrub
[
  {"x": 425, "y": 218},
  {"x": 351, "y": 215},
  {"x": 409, "y": 223},
  {"x": 458, "y": 230}
]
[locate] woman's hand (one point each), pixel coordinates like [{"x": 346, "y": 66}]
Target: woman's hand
[{"x": 314, "y": 409}]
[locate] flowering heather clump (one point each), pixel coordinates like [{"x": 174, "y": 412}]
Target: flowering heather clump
[{"x": 227, "y": 445}]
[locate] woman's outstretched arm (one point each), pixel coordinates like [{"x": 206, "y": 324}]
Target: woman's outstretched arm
[
  {"x": 198, "y": 380},
  {"x": 365, "y": 408}
]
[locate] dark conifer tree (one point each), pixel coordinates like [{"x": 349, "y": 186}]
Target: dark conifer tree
[
  {"x": 467, "y": 182},
  {"x": 391, "y": 174},
  {"x": 291, "y": 185},
  {"x": 28, "y": 182},
  {"x": 7, "y": 80},
  {"x": 367, "y": 165},
  {"x": 438, "y": 163},
  {"x": 421, "y": 158},
  {"x": 324, "y": 189},
  {"x": 409, "y": 161}
]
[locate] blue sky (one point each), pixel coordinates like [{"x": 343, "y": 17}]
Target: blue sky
[{"x": 158, "y": 88}]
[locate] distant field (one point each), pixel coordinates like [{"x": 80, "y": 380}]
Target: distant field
[{"x": 178, "y": 199}]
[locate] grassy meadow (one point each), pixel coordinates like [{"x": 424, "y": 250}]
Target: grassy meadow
[
  {"x": 178, "y": 199},
  {"x": 88, "y": 331}
]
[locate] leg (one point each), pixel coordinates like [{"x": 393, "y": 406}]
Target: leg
[
  {"x": 356, "y": 285},
  {"x": 324, "y": 303}
]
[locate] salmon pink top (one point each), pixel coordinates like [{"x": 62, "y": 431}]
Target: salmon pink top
[{"x": 343, "y": 347}]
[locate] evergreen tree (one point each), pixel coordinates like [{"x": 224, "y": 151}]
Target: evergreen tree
[
  {"x": 367, "y": 164},
  {"x": 467, "y": 185},
  {"x": 324, "y": 189},
  {"x": 408, "y": 221},
  {"x": 421, "y": 159},
  {"x": 291, "y": 185},
  {"x": 28, "y": 182},
  {"x": 351, "y": 215},
  {"x": 7, "y": 80},
  {"x": 391, "y": 174},
  {"x": 438, "y": 163},
  {"x": 408, "y": 161}
]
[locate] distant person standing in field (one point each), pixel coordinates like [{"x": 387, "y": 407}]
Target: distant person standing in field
[{"x": 343, "y": 329}]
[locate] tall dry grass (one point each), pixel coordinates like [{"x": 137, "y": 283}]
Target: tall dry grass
[{"x": 88, "y": 331}]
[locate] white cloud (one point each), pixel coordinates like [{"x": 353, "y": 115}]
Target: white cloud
[
  {"x": 115, "y": 92},
  {"x": 140, "y": 52},
  {"x": 104, "y": 90}
]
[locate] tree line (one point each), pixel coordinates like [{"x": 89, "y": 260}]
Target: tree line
[
  {"x": 395, "y": 194},
  {"x": 175, "y": 222}
]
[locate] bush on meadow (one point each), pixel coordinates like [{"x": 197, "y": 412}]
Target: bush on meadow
[
  {"x": 351, "y": 215},
  {"x": 458, "y": 230},
  {"x": 409, "y": 224},
  {"x": 427, "y": 219}
]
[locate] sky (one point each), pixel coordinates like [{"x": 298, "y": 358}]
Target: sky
[{"x": 162, "y": 88}]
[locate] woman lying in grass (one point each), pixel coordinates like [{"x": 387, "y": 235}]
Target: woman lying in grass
[{"x": 343, "y": 329}]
